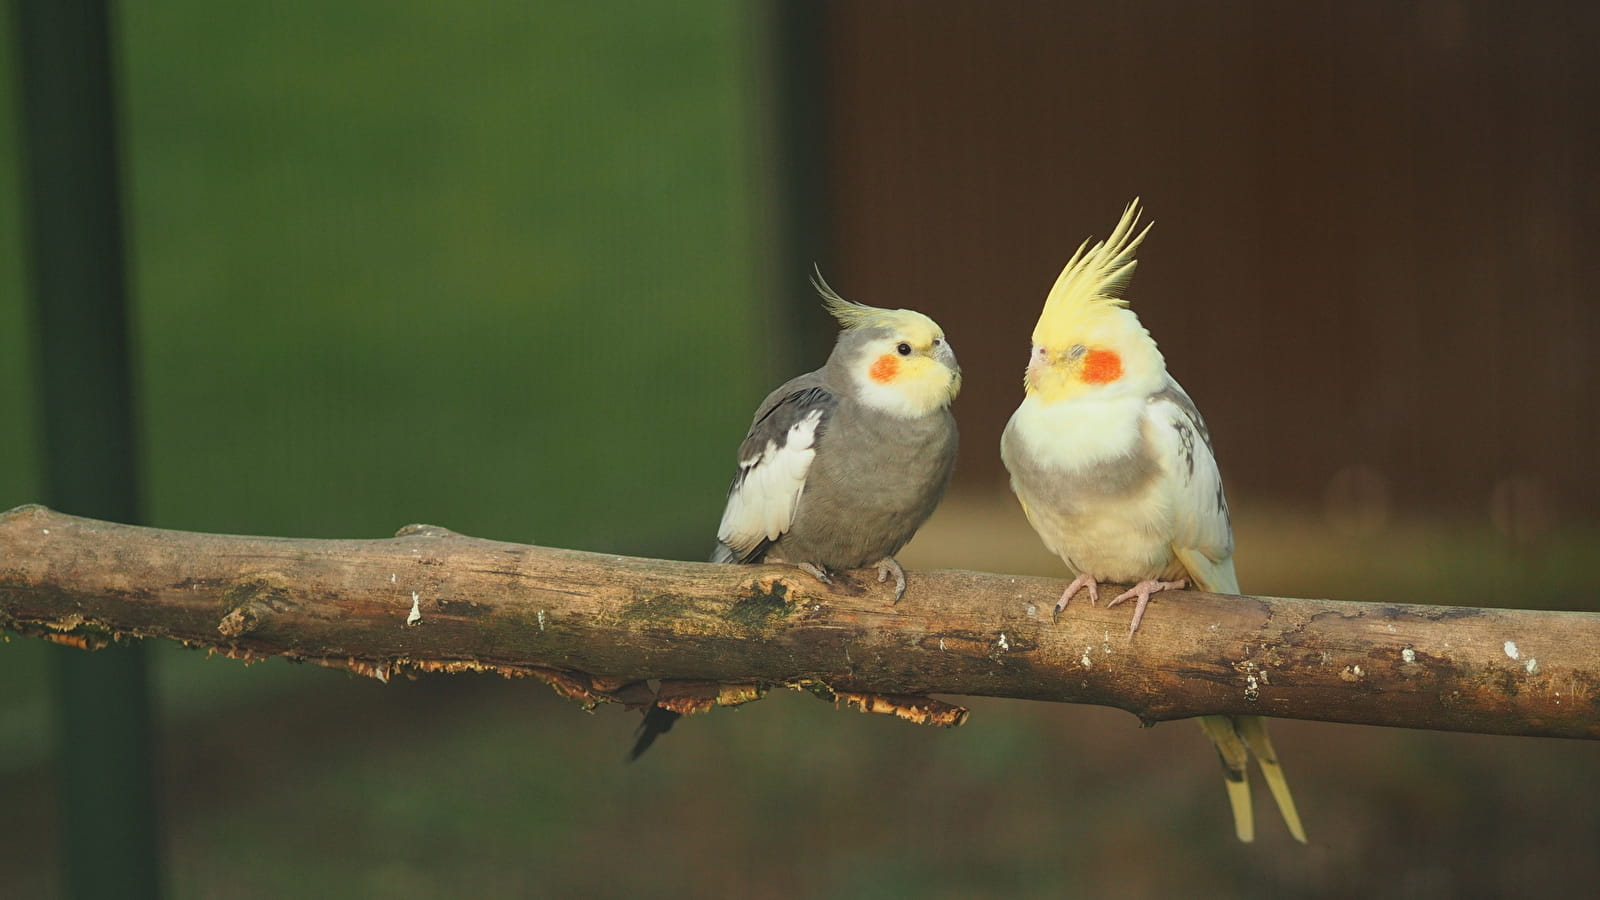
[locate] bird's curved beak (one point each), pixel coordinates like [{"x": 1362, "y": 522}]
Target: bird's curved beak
[
  {"x": 1038, "y": 361},
  {"x": 1041, "y": 359},
  {"x": 945, "y": 356}
]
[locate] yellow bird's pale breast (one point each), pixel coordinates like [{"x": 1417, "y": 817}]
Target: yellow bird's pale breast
[{"x": 1091, "y": 487}]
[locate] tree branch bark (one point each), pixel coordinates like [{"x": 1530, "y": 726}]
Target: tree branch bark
[{"x": 597, "y": 626}]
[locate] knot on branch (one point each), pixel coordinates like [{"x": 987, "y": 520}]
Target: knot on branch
[
  {"x": 762, "y": 602},
  {"x": 417, "y": 529},
  {"x": 35, "y": 510},
  {"x": 250, "y": 599}
]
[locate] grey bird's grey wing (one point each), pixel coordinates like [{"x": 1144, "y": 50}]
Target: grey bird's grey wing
[
  {"x": 774, "y": 461},
  {"x": 1202, "y": 534}
]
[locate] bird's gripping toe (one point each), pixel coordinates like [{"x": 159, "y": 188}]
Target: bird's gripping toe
[
  {"x": 890, "y": 566},
  {"x": 815, "y": 571},
  {"x": 1142, "y": 591},
  {"x": 1082, "y": 581}
]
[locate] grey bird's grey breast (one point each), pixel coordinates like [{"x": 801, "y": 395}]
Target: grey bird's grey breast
[{"x": 874, "y": 481}]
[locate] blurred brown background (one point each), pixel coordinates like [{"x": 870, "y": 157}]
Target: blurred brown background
[{"x": 1371, "y": 263}]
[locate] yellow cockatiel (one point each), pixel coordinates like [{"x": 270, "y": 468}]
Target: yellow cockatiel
[{"x": 1115, "y": 471}]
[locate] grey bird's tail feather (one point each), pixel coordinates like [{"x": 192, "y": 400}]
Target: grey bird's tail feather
[{"x": 658, "y": 721}]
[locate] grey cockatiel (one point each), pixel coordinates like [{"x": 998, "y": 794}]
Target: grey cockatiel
[
  {"x": 1115, "y": 471},
  {"x": 842, "y": 465}
]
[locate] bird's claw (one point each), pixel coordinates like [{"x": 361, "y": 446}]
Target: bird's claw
[
  {"x": 890, "y": 566},
  {"x": 1078, "y": 583},
  {"x": 816, "y": 572},
  {"x": 1142, "y": 591}
]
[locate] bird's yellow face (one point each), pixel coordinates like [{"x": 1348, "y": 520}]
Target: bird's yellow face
[
  {"x": 898, "y": 358},
  {"x": 1087, "y": 342},
  {"x": 1100, "y": 352},
  {"x": 1060, "y": 374},
  {"x": 906, "y": 366}
]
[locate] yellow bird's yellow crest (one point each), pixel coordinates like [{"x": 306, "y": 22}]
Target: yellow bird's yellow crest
[{"x": 1091, "y": 285}]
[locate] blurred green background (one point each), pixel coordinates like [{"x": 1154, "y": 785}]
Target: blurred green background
[
  {"x": 393, "y": 263},
  {"x": 500, "y": 270}
]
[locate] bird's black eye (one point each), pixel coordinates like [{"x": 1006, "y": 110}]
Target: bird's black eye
[{"x": 904, "y": 349}]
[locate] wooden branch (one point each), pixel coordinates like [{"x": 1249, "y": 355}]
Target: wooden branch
[{"x": 596, "y": 626}]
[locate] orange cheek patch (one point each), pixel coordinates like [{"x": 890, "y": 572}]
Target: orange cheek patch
[
  {"x": 1102, "y": 366},
  {"x": 885, "y": 369}
]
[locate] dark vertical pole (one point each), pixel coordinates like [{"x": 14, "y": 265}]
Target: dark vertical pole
[
  {"x": 792, "y": 101},
  {"x": 111, "y": 844}
]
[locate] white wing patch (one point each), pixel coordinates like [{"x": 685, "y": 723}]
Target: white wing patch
[{"x": 765, "y": 496}]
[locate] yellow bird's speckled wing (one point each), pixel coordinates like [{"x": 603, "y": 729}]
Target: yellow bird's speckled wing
[
  {"x": 1203, "y": 543},
  {"x": 1202, "y": 536}
]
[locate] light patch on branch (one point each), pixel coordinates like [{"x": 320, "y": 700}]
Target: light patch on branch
[
  {"x": 688, "y": 698},
  {"x": 911, "y": 707}
]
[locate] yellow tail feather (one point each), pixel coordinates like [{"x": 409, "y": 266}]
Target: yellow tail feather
[
  {"x": 1254, "y": 731},
  {"x": 1236, "y": 776},
  {"x": 1236, "y": 738},
  {"x": 1240, "y": 732}
]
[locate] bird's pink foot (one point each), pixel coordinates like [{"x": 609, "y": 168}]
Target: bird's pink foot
[
  {"x": 1082, "y": 581},
  {"x": 889, "y": 566},
  {"x": 1143, "y": 590}
]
